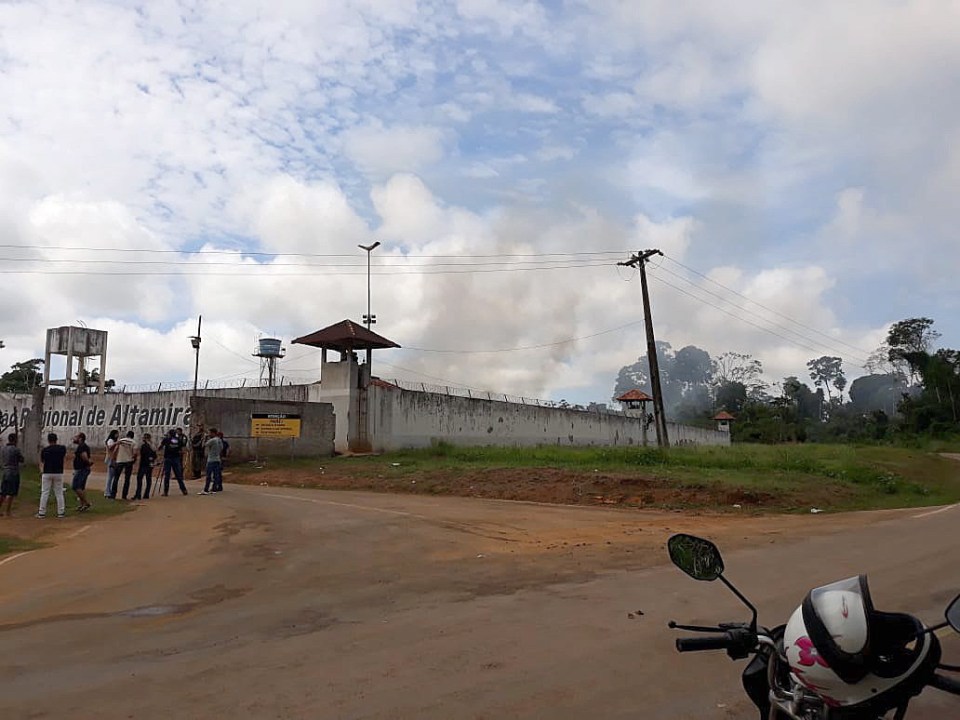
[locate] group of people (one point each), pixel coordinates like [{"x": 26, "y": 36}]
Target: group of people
[{"x": 209, "y": 449}]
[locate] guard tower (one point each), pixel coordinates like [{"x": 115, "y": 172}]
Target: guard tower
[
  {"x": 270, "y": 351},
  {"x": 633, "y": 401},
  {"x": 344, "y": 383},
  {"x": 80, "y": 343}
]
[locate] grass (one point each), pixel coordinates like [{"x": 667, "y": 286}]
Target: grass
[
  {"x": 27, "y": 502},
  {"x": 839, "y": 477}
]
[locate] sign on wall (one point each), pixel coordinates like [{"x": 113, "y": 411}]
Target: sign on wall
[{"x": 274, "y": 425}]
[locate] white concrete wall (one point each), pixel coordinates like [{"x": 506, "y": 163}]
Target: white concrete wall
[
  {"x": 339, "y": 386},
  {"x": 154, "y": 412},
  {"x": 405, "y": 418},
  {"x": 12, "y": 407}
]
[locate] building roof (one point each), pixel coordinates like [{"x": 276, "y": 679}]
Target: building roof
[
  {"x": 346, "y": 336},
  {"x": 723, "y": 415},
  {"x": 634, "y": 396}
]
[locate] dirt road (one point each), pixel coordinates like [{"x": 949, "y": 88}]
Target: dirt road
[{"x": 282, "y": 603}]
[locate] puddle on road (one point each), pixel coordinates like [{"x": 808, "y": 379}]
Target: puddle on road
[{"x": 155, "y": 611}]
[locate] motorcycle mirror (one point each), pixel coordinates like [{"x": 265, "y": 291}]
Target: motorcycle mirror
[
  {"x": 699, "y": 558},
  {"x": 953, "y": 614}
]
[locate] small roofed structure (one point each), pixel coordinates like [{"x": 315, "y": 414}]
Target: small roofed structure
[
  {"x": 723, "y": 419},
  {"x": 344, "y": 383},
  {"x": 634, "y": 399},
  {"x": 346, "y": 336}
]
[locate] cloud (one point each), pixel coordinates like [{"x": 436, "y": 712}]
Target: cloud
[
  {"x": 804, "y": 156},
  {"x": 380, "y": 151}
]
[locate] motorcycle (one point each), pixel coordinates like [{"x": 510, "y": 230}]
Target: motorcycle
[{"x": 777, "y": 678}]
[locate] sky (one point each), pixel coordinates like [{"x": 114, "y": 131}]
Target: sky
[{"x": 796, "y": 163}]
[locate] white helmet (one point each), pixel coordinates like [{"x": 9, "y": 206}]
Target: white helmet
[{"x": 847, "y": 653}]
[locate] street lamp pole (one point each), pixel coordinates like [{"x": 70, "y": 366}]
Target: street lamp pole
[
  {"x": 195, "y": 342},
  {"x": 368, "y": 318}
]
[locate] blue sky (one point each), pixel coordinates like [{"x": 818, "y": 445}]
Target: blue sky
[{"x": 804, "y": 156}]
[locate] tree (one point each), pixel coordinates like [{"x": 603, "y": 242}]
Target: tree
[
  {"x": 734, "y": 367},
  {"x": 685, "y": 378},
  {"x": 909, "y": 340},
  {"x": 827, "y": 371},
  {"x": 870, "y": 393},
  {"x": 22, "y": 377},
  {"x": 731, "y": 396}
]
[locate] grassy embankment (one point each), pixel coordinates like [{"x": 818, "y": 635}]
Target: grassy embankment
[
  {"x": 772, "y": 478},
  {"x": 23, "y": 535}
]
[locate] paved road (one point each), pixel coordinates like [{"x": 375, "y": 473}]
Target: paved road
[{"x": 279, "y": 603}]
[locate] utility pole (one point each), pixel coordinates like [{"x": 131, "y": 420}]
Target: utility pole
[{"x": 639, "y": 261}]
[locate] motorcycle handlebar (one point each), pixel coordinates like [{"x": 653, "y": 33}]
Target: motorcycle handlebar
[{"x": 720, "y": 642}]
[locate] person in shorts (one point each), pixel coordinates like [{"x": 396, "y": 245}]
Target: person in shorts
[
  {"x": 81, "y": 471},
  {"x": 10, "y": 461},
  {"x": 51, "y": 478}
]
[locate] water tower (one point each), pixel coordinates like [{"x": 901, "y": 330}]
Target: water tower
[
  {"x": 77, "y": 343},
  {"x": 269, "y": 350}
]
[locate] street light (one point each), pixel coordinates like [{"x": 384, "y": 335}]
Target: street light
[
  {"x": 195, "y": 344},
  {"x": 368, "y": 318}
]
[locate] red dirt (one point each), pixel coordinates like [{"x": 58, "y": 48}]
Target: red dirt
[{"x": 546, "y": 485}]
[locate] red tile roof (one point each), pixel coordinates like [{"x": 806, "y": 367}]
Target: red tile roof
[
  {"x": 346, "y": 336},
  {"x": 634, "y": 396},
  {"x": 723, "y": 415}
]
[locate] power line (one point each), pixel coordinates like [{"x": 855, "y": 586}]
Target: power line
[
  {"x": 242, "y": 271},
  {"x": 260, "y": 253},
  {"x": 208, "y": 263},
  {"x": 768, "y": 309},
  {"x": 528, "y": 347},
  {"x": 798, "y": 334},
  {"x": 742, "y": 319}
]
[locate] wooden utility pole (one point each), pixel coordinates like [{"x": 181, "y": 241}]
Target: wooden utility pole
[{"x": 639, "y": 261}]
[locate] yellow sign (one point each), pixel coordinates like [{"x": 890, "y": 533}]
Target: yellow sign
[{"x": 274, "y": 425}]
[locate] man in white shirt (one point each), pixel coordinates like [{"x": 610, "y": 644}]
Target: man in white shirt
[{"x": 126, "y": 454}]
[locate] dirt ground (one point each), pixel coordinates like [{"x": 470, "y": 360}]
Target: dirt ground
[
  {"x": 273, "y": 602},
  {"x": 546, "y": 485}
]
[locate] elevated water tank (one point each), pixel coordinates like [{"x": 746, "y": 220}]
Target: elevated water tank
[{"x": 269, "y": 347}]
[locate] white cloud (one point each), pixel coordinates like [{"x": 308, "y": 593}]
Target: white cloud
[{"x": 380, "y": 151}]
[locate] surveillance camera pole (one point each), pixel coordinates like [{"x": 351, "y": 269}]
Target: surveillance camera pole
[
  {"x": 195, "y": 342},
  {"x": 368, "y": 318}
]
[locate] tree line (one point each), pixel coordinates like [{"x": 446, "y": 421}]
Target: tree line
[{"x": 909, "y": 389}]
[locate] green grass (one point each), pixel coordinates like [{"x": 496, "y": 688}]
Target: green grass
[
  {"x": 28, "y": 500},
  {"x": 835, "y": 477},
  {"x": 10, "y": 544}
]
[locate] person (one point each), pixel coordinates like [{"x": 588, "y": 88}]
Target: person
[
  {"x": 110, "y": 489},
  {"x": 10, "y": 461},
  {"x": 223, "y": 460},
  {"x": 172, "y": 446},
  {"x": 213, "y": 448},
  {"x": 81, "y": 471},
  {"x": 196, "y": 452},
  {"x": 51, "y": 461},
  {"x": 126, "y": 455},
  {"x": 145, "y": 470}
]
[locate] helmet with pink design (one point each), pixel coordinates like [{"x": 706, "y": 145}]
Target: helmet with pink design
[{"x": 849, "y": 654}]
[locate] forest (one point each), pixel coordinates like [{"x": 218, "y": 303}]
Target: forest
[{"x": 910, "y": 389}]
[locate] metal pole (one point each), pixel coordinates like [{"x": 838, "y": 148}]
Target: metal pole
[
  {"x": 196, "y": 346},
  {"x": 369, "y": 249}
]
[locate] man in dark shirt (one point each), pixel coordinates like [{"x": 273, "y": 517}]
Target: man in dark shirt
[
  {"x": 145, "y": 470},
  {"x": 172, "y": 447},
  {"x": 81, "y": 471},
  {"x": 10, "y": 461},
  {"x": 51, "y": 460},
  {"x": 197, "y": 443}
]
